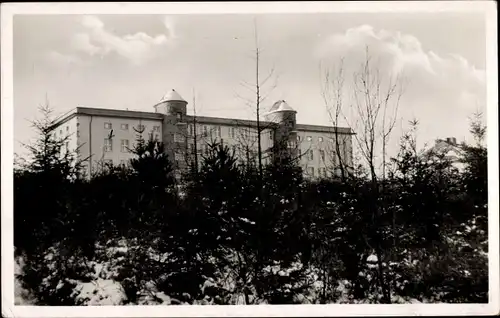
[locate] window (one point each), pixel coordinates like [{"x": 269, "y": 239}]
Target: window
[
  {"x": 108, "y": 145},
  {"x": 77, "y": 124},
  {"x": 157, "y": 137},
  {"x": 310, "y": 171},
  {"x": 107, "y": 126},
  {"x": 60, "y": 131},
  {"x": 320, "y": 139},
  {"x": 322, "y": 154},
  {"x": 67, "y": 145},
  {"x": 178, "y": 138},
  {"x": 218, "y": 131},
  {"x": 309, "y": 138},
  {"x": 271, "y": 135},
  {"x": 124, "y": 145},
  {"x": 322, "y": 172},
  {"x": 205, "y": 133},
  {"x": 331, "y": 140},
  {"x": 179, "y": 116},
  {"x": 67, "y": 128},
  {"x": 310, "y": 155},
  {"x": 232, "y": 132},
  {"x": 156, "y": 128},
  {"x": 124, "y": 126},
  {"x": 190, "y": 130}
]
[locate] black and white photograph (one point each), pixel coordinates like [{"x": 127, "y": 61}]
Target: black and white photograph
[{"x": 195, "y": 159}]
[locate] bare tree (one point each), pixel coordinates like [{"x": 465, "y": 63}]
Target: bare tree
[
  {"x": 375, "y": 105},
  {"x": 332, "y": 93},
  {"x": 376, "y": 108},
  {"x": 195, "y": 136},
  {"x": 257, "y": 89}
]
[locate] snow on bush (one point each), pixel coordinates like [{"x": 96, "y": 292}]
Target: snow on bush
[{"x": 99, "y": 292}]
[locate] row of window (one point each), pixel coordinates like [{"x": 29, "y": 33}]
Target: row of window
[
  {"x": 321, "y": 172},
  {"x": 320, "y": 139},
  {"x": 60, "y": 133},
  {"x": 124, "y": 147},
  {"x": 140, "y": 127},
  {"x": 233, "y": 132},
  {"x": 67, "y": 130},
  {"x": 124, "y": 144},
  {"x": 110, "y": 162},
  {"x": 204, "y": 130},
  {"x": 108, "y": 145},
  {"x": 310, "y": 154}
]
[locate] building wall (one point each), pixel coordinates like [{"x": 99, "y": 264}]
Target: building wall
[
  {"x": 324, "y": 160},
  {"x": 234, "y": 135},
  {"x": 68, "y": 130},
  {"x": 92, "y": 135}
]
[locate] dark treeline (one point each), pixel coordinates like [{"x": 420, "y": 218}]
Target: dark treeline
[{"x": 225, "y": 235}]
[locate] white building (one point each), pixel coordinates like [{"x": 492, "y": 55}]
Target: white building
[
  {"x": 450, "y": 149},
  {"x": 106, "y": 135}
]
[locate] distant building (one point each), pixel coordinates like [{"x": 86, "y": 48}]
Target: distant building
[
  {"x": 450, "y": 149},
  {"x": 106, "y": 135}
]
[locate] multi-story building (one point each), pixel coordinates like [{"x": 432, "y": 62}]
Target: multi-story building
[
  {"x": 450, "y": 149},
  {"x": 106, "y": 135}
]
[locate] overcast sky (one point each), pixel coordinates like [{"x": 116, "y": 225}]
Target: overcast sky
[{"x": 130, "y": 61}]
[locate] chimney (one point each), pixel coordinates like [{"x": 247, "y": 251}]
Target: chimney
[{"x": 451, "y": 140}]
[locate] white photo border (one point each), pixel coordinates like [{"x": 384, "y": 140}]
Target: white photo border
[{"x": 8, "y": 10}]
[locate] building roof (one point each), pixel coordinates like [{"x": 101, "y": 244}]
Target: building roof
[
  {"x": 279, "y": 106},
  {"x": 200, "y": 119},
  {"x": 447, "y": 147},
  {"x": 171, "y": 96},
  {"x": 232, "y": 122},
  {"x": 106, "y": 112},
  {"x": 325, "y": 129}
]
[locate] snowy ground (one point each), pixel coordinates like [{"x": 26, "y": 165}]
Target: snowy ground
[
  {"x": 104, "y": 289},
  {"x": 21, "y": 296}
]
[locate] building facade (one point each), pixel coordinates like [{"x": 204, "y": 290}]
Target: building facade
[
  {"x": 451, "y": 151},
  {"x": 106, "y": 136}
]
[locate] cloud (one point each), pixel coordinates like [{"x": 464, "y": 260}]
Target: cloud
[
  {"x": 82, "y": 42},
  {"x": 137, "y": 48},
  {"x": 433, "y": 78},
  {"x": 62, "y": 59},
  {"x": 169, "y": 24},
  {"x": 442, "y": 90}
]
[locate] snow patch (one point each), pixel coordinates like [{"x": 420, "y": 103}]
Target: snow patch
[{"x": 100, "y": 292}]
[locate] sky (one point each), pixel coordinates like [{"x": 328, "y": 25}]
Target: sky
[{"x": 131, "y": 61}]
